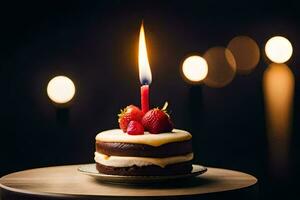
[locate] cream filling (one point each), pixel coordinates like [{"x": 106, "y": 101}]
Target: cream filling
[
  {"x": 117, "y": 135},
  {"x": 123, "y": 161}
]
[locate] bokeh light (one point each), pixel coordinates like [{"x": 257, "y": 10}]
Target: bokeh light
[
  {"x": 279, "y": 49},
  {"x": 278, "y": 87},
  {"x": 195, "y": 68},
  {"x": 222, "y": 67},
  {"x": 246, "y": 53},
  {"x": 61, "y": 89}
]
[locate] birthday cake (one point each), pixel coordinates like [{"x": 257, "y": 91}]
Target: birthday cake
[{"x": 145, "y": 145}]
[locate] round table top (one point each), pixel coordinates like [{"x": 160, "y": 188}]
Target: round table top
[{"x": 66, "y": 181}]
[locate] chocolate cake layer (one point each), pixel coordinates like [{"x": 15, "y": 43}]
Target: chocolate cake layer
[
  {"x": 150, "y": 170},
  {"x": 142, "y": 150}
]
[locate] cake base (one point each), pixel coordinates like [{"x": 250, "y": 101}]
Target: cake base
[
  {"x": 142, "y": 150},
  {"x": 150, "y": 170}
]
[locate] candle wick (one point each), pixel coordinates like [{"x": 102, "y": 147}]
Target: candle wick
[{"x": 145, "y": 82}]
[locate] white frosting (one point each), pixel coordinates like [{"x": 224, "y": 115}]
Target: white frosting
[
  {"x": 117, "y": 135},
  {"x": 123, "y": 161}
]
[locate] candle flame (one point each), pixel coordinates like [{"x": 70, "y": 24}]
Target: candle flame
[{"x": 144, "y": 67}]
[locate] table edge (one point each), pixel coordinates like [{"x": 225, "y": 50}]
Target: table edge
[{"x": 59, "y": 195}]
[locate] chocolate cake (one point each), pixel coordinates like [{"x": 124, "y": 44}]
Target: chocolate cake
[{"x": 118, "y": 153}]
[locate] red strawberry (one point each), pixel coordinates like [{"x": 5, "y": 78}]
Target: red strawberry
[
  {"x": 135, "y": 128},
  {"x": 157, "y": 121},
  {"x": 130, "y": 113}
]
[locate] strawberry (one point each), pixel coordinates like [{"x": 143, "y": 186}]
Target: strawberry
[
  {"x": 157, "y": 121},
  {"x": 135, "y": 128},
  {"x": 130, "y": 113}
]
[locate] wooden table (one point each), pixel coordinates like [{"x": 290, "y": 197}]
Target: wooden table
[{"x": 65, "y": 182}]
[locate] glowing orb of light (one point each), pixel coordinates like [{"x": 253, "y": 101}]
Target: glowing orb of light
[
  {"x": 246, "y": 53},
  {"x": 61, "y": 89},
  {"x": 279, "y": 49},
  {"x": 195, "y": 68},
  {"x": 222, "y": 67}
]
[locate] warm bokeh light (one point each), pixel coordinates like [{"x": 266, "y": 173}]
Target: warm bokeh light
[
  {"x": 221, "y": 65},
  {"x": 279, "y": 49},
  {"x": 144, "y": 67},
  {"x": 61, "y": 89},
  {"x": 246, "y": 53},
  {"x": 278, "y": 87},
  {"x": 195, "y": 68}
]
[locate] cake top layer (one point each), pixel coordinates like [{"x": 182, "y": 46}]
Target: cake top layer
[{"x": 117, "y": 135}]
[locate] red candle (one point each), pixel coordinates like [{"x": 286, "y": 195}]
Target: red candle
[{"x": 145, "y": 98}]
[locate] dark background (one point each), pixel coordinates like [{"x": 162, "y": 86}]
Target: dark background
[{"x": 95, "y": 44}]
